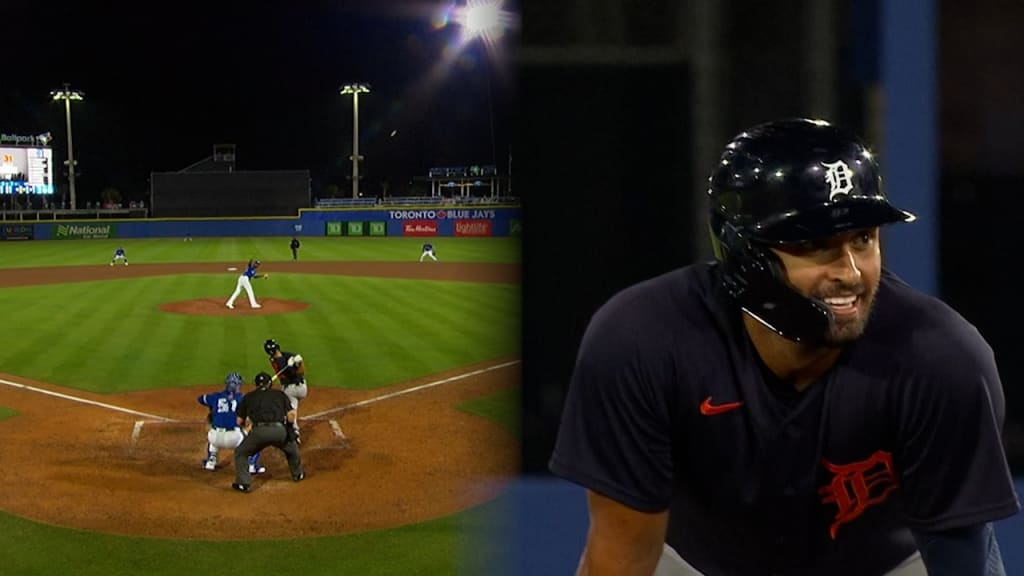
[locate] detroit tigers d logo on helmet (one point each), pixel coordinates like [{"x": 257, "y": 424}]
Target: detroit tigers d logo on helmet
[{"x": 789, "y": 181}]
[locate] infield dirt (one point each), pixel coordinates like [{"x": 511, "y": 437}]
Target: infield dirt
[{"x": 130, "y": 463}]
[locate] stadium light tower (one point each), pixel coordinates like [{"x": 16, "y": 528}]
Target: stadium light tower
[
  {"x": 67, "y": 95},
  {"x": 487, "y": 21},
  {"x": 355, "y": 90}
]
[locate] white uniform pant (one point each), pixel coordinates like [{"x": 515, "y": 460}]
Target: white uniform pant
[
  {"x": 428, "y": 253},
  {"x": 672, "y": 564},
  {"x": 296, "y": 392},
  {"x": 243, "y": 284},
  {"x": 218, "y": 438}
]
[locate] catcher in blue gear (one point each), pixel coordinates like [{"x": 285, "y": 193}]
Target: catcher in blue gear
[{"x": 224, "y": 431}]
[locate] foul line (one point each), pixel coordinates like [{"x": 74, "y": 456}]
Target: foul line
[
  {"x": 334, "y": 425},
  {"x": 415, "y": 388},
  {"x": 337, "y": 430},
  {"x": 84, "y": 401}
]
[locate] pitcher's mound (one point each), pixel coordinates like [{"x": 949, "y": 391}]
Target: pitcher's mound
[{"x": 216, "y": 307}]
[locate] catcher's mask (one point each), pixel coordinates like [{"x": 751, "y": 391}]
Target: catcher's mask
[
  {"x": 789, "y": 181},
  {"x": 263, "y": 380},
  {"x": 270, "y": 346},
  {"x": 233, "y": 383}
]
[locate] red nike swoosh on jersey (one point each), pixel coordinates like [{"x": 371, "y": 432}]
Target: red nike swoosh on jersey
[{"x": 709, "y": 409}]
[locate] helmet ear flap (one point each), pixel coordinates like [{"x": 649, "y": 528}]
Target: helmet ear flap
[{"x": 744, "y": 263}]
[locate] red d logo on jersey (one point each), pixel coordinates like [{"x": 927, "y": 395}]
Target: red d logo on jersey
[{"x": 857, "y": 486}]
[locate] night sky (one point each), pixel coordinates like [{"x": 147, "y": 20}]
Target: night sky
[{"x": 165, "y": 82}]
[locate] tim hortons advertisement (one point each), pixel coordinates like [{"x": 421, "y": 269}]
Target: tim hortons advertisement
[
  {"x": 472, "y": 227},
  {"x": 419, "y": 228}
]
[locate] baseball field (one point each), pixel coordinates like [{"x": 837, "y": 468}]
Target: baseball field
[{"x": 410, "y": 429}]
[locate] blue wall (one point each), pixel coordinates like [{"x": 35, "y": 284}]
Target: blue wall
[{"x": 443, "y": 221}]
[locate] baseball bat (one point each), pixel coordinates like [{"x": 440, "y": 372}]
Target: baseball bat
[{"x": 278, "y": 373}]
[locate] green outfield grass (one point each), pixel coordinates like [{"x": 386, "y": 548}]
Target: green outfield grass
[
  {"x": 109, "y": 337},
  {"x": 266, "y": 249},
  {"x": 499, "y": 408},
  {"x": 6, "y": 413}
]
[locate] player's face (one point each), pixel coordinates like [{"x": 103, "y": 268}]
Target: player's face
[{"x": 843, "y": 272}]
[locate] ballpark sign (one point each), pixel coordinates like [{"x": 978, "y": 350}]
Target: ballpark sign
[
  {"x": 472, "y": 227},
  {"x": 84, "y": 231},
  {"x": 441, "y": 214},
  {"x": 419, "y": 228}
]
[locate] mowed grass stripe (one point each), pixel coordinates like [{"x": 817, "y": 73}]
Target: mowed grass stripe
[
  {"x": 267, "y": 249},
  {"x": 384, "y": 339},
  {"x": 426, "y": 548},
  {"x": 368, "y": 331}
]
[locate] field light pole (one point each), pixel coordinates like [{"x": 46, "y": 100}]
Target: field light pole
[
  {"x": 67, "y": 95},
  {"x": 355, "y": 90}
]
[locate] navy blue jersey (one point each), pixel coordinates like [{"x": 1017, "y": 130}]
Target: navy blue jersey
[
  {"x": 222, "y": 406},
  {"x": 428, "y": 247},
  {"x": 288, "y": 374},
  {"x": 119, "y": 252},
  {"x": 671, "y": 409}
]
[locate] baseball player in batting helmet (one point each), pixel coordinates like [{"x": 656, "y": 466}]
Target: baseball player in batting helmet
[
  {"x": 290, "y": 368},
  {"x": 793, "y": 407}
]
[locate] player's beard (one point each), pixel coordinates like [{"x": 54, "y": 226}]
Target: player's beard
[{"x": 845, "y": 330}]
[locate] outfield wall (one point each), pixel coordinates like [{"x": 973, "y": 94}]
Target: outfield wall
[{"x": 404, "y": 221}]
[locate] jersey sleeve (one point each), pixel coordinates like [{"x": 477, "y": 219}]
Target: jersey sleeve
[
  {"x": 955, "y": 472},
  {"x": 614, "y": 437}
]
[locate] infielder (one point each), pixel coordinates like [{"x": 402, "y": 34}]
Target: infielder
[
  {"x": 224, "y": 431},
  {"x": 291, "y": 370},
  {"x": 119, "y": 254},
  {"x": 428, "y": 250},
  {"x": 245, "y": 284},
  {"x": 793, "y": 408}
]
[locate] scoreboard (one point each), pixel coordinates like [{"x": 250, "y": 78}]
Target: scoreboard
[{"x": 26, "y": 170}]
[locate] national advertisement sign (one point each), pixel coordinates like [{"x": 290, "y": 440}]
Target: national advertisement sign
[
  {"x": 85, "y": 231},
  {"x": 473, "y": 227},
  {"x": 419, "y": 228}
]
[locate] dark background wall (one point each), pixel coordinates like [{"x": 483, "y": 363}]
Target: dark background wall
[{"x": 622, "y": 101}]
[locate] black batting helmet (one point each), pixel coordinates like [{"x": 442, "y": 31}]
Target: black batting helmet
[
  {"x": 789, "y": 181},
  {"x": 263, "y": 380},
  {"x": 270, "y": 346}
]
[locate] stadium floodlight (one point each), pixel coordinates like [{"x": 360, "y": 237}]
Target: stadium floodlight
[
  {"x": 67, "y": 95},
  {"x": 355, "y": 90},
  {"x": 483, "y": 19}
]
